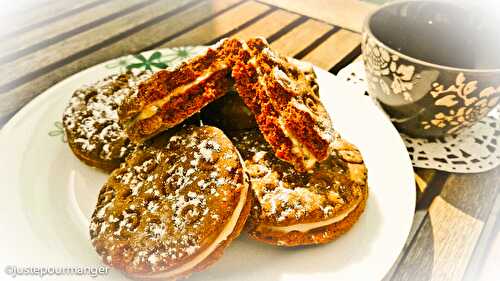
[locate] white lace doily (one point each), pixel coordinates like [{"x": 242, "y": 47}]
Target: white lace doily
[{"x": 474, "y": 150}]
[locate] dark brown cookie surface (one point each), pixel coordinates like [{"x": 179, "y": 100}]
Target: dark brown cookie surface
[
  {"x": 171, "y": 205},
  {"x": 91, "y": 121}
]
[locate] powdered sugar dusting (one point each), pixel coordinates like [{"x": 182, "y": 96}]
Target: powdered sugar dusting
[
  {"x": 170, "y": 199},
  {"x": 285, "y": 194},
  {"x": 91, "y": 118},
  {"x": 290, "y": 86}
]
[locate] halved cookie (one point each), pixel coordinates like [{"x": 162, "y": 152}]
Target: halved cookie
[
  {"x": 172, "y": 95},
  {"x": 282, "y": 94},
  {"x": 91, "y": 121},
  {"x": 230, "y": 112},
  {"x": 292, "y": 208},
  {"x": 173, "y": 206}
]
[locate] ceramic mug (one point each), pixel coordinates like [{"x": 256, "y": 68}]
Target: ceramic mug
[{"x": 434, "y": 66}]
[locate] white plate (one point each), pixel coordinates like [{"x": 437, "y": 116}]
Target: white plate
[{"x": 48, "y": 196}]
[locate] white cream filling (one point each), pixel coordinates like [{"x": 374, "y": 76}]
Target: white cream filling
[
  {"x": 305, "y": 227},
  {"x": 226, "y": 231},
  {"x": 301, "y": 65},
  {"x": 152, "y": 108},
  {"x": 298, "y": 148}
]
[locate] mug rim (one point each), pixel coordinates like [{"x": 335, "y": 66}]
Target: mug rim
[{"x": 368, "y": 31}]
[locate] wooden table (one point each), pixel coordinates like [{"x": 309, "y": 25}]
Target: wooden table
[{"x": 455, "y": 233}]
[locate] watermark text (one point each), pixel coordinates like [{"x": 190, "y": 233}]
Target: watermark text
[{"x": 42, "y": 271}]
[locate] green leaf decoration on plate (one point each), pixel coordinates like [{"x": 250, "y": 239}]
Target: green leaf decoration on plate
[
  {"x": 183, "y": 53},
  {"x": 160, "y": 59},
  {"x": 178, "y": 54},
  {"x": 58, "y": 131},
  {"x": 148, "y": 63},
  {"x": 120, "y": 63}
]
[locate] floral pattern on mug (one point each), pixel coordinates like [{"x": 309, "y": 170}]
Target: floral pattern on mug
[
  {"x": 380, "y": 63},
  {"x": 464, "y": 107}
]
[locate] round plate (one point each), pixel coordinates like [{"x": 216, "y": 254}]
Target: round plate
[{"x": 48, "y": 195}]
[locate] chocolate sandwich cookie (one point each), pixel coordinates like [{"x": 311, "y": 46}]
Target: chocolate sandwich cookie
[
  {"x": 173, "y": 206},
  {"x": 91, "y": 121},
  {"x": 172, "y": 95},
  {"x": 283, "y": 96},
  {"x": 291, "y": 208}
]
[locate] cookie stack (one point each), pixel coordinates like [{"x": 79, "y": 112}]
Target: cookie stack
[{"x": 179, "y": 191}]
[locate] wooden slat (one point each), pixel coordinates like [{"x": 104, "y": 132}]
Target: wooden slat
[
  {"x": 426, "y": 175},
  {"x": 473, "y": 194},
  {"x": 268, "y": 25},
  {"x": 334, "y": 49},
  {"x": 347, "y": 14},
  {"x": 418, "y": 219},
  {"x": 219, "y": 25},
  {"x": 132, "y": 43},
  {"x": 421, "y": 183},
  {"x": 215, "y": 7},
  {"x": 299, "y": 38},
  {"x": 56, "y": 52},
  {"x": 427, "y": 178},
  {"x": 484, "y": 261},
  {"x": 21, "y": 6},
  {"x": 52, "y": 11},
  {"x": 451, "y": 227},
  {"x": 55, "y": 29},
  {"x": 444, "y": 245},
  {"x": 491, "y": 270},
  {"x": 423, "y": 177},
  {"x": 443, "y": 248}
]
